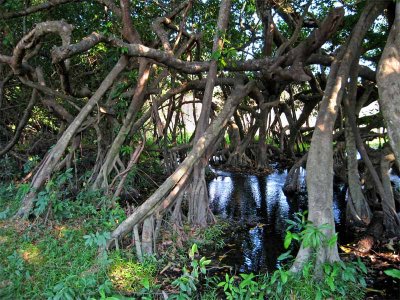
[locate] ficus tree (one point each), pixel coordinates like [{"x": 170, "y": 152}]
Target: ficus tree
[{"x": 90, "y": 79}]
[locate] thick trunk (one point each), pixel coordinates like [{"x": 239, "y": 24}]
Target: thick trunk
[
  {"x": 388, "y": 80},
  {"x": 391, "y": 220},
  {"x": 320, "y": 156},
  {"x": 199, "y": 212}
]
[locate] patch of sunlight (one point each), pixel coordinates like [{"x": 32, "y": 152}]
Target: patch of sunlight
[
  {"x": 127, "y": 276},
  {"x": 61, "y": 230},
  {"x": 3, "y": 239},
  {"x": 31, "y": 254}
]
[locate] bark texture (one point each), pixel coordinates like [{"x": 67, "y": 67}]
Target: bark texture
[
  {"x": 320, "y": 157},
  {"x": 199, "y": 212},
  {"x": 388, "y": 80}
]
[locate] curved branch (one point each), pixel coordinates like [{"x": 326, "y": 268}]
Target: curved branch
[
  {"x": 34, "y": 9},
  {"x": 22, "y": 123},
  {"x": 31, "y": 39}
]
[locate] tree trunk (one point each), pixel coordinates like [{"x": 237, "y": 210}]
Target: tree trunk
[
  {"x": 136, "y": 104},
  {"x": 262, "y": 161},
  {"x": 54, "y": 156},
  {"x": 358, "y": 211},
  {"x": 320, "y": 156},
  {"x": 199, "y": 213},
  {"x": 388, "y": 80},
  {"x": 292, "y": 184},
  {"x": 391, "y": 220},
  {"x": 167, "y": 193}
]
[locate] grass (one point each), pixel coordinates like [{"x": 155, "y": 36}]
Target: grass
[
  {"x": 34, "y": 260},
  {"x": 54, "y": 260},
  {"x": 59, "y": 259}
]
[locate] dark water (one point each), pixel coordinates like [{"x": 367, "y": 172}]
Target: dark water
[{"x": 259, "y": 204}]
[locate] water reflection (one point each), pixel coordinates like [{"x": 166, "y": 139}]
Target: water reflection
[{"x": 259, "y": 203}]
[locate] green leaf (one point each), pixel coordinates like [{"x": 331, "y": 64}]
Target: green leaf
[
  {"x": 221, "y": 283},
  {"x": 327, "y": 269},
  {"x": 332, "y": 241},
  {"x": 284, "y": 276},
  {"x": 288, "y": 239},
  {"x": 329, "y": 281},
  {"x": 362, "y": 266},
  {"x": 216, "y": 55},
  {"x": 284, "y": 256},
  {"x": 3, "y": 214},
  {"x": 395, "y": 273},
  {"x": 318, "y": 296},
  {"x": 146, "y": 283},
  {"x": 193, "y": 251}
]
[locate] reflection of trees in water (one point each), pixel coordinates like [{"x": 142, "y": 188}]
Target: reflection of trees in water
[
  {"x": 254, "y": 200},
  {"x": 220, "y": 192},
  {"x": 261, "y": 248}
]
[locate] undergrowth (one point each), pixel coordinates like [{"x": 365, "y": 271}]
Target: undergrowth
[{"x": 55, "y": 256}]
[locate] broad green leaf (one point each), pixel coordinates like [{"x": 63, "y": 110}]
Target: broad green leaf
[{"x": 395, "y": 273}]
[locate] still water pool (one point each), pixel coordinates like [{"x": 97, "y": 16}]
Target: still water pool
[{"x": 259, "y": 204}]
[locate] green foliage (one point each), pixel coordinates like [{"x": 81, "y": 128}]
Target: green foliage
[
  {"x": 32, "y": 162},
  {"x": 98, "y": 239},
  {"x": 213, "y": 236},
  {"x": 306, "y": 232},
  {"x": 56, "y": 259},
  {"x": 56, "y": 262},
  {"x": 395, "y": 273},
  {"x": 338, "y": 280},
  {"x": 130, "y": 276},
  {"x": 8, "y": 168},
  {"x": 247, "y": 288},
  {"x": 189, "y": 279},
  {"x": 53, "y": 194},
  {"x": 10, "y": 198}
]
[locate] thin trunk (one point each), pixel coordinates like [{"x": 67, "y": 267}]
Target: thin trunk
[
  {"x": 199, "y": 213},
  {"x": 54, "y": 156},
  {"x": 22, "y": 123},
  {"x": 358, "y": 211},
  {"x": 391, "y": 220},
  {"x": 134, "y": 107},
  {"x": 262, "y": 160}
]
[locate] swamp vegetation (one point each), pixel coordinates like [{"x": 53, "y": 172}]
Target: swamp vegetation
[{"x": 146, "y": 145}]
